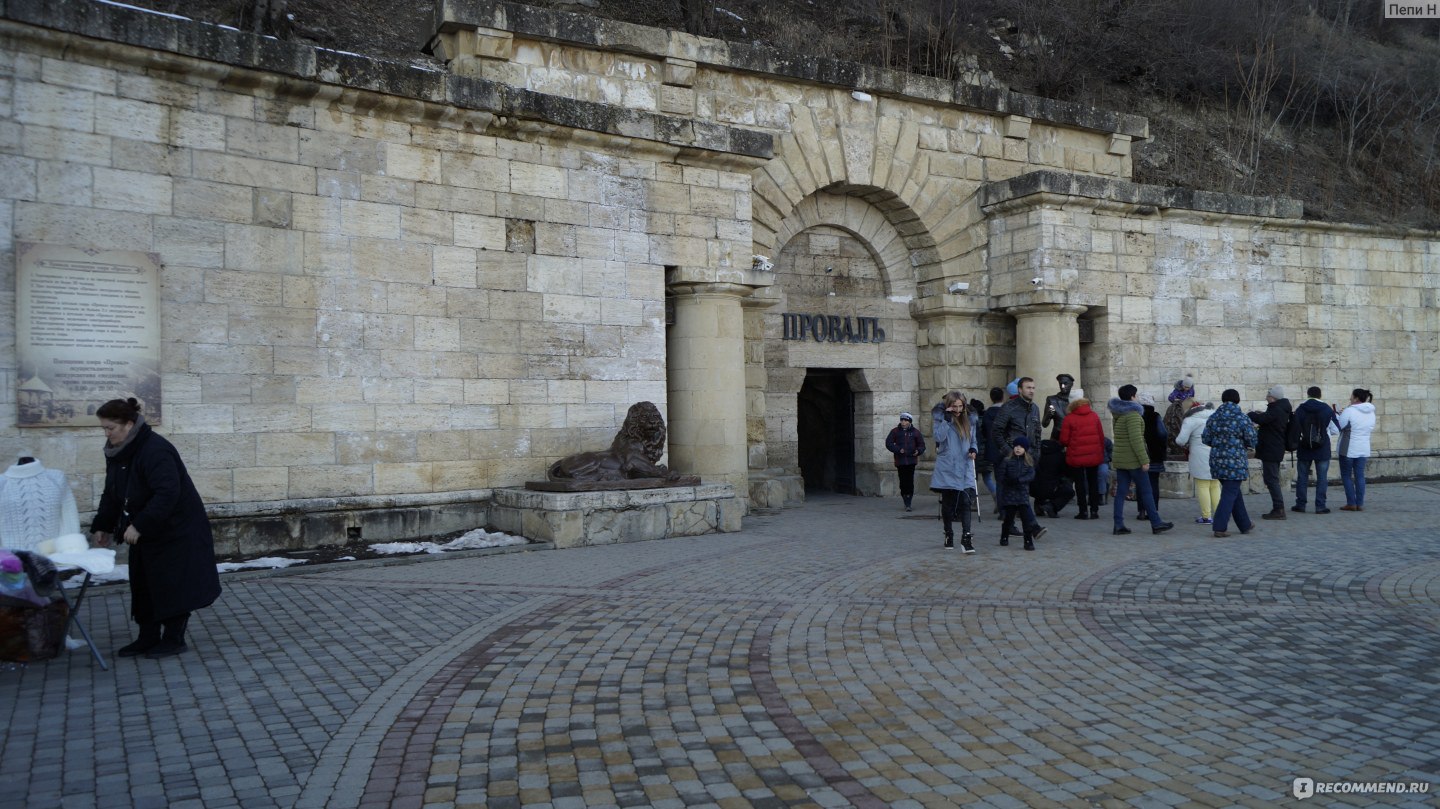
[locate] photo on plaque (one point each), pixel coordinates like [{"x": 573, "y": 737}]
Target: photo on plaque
[{"x": 87, "y": 331}]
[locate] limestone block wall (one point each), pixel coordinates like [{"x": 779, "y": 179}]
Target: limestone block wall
[
  {"x": 917, "y": 147},
  {"x": 1241, "y": 301},
  {"x": 363, "y": 294}
]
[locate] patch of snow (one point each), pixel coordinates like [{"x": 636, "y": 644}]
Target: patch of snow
[
  {"x": 143, "y": 10},
  {"x": 859, "y": 95},
  {"x": 727, "y": 12},
  {"x": 343, "y": 53},
  {"x": 901, "y": 298},
  {"x": 479, "y": 538},
  {"x": 263, "y": 563}
]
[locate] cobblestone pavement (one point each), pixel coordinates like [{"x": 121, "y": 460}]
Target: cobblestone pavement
[{"x": 826, "y": 656}]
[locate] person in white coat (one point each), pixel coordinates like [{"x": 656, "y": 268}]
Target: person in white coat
[
  {"x": 1207, "y": 488},
  {"x": 1357, "y": 422}
]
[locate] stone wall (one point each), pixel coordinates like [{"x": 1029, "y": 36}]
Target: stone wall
[
  {"x": 364, "y": 296},
  {"x": 1239, "y": 300},
  {"x": 389, "y": 287}
]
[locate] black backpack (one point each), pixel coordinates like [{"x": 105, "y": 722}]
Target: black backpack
[
  {"x": 1292, "y": 434},
  {"x": 1312, "y": 434}
]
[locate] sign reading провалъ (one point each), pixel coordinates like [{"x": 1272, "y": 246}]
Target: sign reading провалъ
[{"x": 831, "y": 328}]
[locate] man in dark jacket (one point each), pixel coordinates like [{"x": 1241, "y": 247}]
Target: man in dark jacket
[
  {"x": 1270, "y": 449},
  {"x": 1155, "y": 440},
  {"x": 1314, "y": 420},
  {"x": 1017, "y": 417}
]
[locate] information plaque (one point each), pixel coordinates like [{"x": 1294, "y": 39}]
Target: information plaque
[{"x": 87, "y": 331}]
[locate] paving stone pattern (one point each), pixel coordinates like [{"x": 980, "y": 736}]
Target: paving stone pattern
[{"x": 827, "y": 656}]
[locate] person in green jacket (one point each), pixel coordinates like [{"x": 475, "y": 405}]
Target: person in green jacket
[{"x": 1131, "y": 461}]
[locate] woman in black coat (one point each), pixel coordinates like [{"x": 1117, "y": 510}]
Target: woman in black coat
[{"x": 151, "y": 503}]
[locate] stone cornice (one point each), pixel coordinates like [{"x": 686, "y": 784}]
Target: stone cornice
[
  {"x": 1038, "y": 187},
  {"x": 224, "y": 45},
  {"x": 980, "y": 93}
]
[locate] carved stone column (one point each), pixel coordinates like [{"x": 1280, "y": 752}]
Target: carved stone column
[
  {"x": 706, "y": 380},
  {"x": 1047, "y": 343}
]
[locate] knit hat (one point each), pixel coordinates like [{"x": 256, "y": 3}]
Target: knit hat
[
  {"x": 1013, "y": 389},
  {"x": 1184, "y": 389},
  {"x": 1021, "y": 441},
  {"x": 1146, "y": 399},
  {"x": 1277, "y": 391},
  {"x": 906, "y": 417}
]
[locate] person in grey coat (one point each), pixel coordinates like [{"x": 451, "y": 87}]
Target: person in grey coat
[{"x": 954, "y": 476}]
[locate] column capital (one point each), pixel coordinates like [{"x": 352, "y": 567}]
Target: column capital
[
  {"x": 709, "y": 289},
  {"x": 1031, "y": 309},
  {"x": 719, "y": 278}
]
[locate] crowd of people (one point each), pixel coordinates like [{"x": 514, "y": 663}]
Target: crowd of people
[{"x": 1002, "y": 447}]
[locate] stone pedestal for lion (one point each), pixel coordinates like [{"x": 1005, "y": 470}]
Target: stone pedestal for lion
[
  {"x": 622, "y": 494},
  {"x": 576, "y": 519}
]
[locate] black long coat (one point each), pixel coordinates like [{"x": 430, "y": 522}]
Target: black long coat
[{"x": 172, "y": 567}]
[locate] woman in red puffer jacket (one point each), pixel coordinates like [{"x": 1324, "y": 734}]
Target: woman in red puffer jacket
[{"x": 1084, "y": 440}]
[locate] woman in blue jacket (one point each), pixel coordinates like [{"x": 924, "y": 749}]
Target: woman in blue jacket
[
  {"x": 1230, "y": 435},
  {"x": 954, "y": 476}
]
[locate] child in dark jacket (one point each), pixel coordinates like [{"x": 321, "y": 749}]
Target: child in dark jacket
[{"x": 1015, "y": 474}]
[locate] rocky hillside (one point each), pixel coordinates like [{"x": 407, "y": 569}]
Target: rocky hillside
[{"x": 1319, "y": 100}]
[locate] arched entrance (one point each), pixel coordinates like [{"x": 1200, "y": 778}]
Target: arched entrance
[
  {"x": 836, "y": 351},
  {"x": 825, "y": 428}
]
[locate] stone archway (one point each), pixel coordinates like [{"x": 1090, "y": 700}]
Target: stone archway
[
  {"x": 895, "y": 184},
  {"x": 838, "y": 256}
]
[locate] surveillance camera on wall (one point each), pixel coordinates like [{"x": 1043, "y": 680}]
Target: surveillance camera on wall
[
  {"x": 957, "y": 287},
  {"x": 1036, "y": 281}
]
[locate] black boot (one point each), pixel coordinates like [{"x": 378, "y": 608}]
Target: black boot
[
  {"x": 965, "y": 543},
  {"x": 1004, "y": 537},
  {"x": 949, "y": 540},
  {"x": 1094, "y": 513},
  {"x": 149, "y": 639},
  {"x": 173, "y": 641},
  {"x": 1029, "y": 544}
]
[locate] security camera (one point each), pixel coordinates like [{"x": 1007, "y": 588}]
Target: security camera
[
  {"x": 1036, "y": 281},
  {"x": 957, "y": 287}
]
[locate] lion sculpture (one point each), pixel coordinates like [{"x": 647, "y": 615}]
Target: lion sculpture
[{"x": 634, "y": 454}]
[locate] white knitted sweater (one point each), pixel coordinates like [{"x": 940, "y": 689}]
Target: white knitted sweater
[{"x": 36, "y": 505}]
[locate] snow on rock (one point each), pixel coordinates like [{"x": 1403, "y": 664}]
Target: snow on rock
[
  {"x": 263, "y": 563},
  {"x": 479, "y": 538}
]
